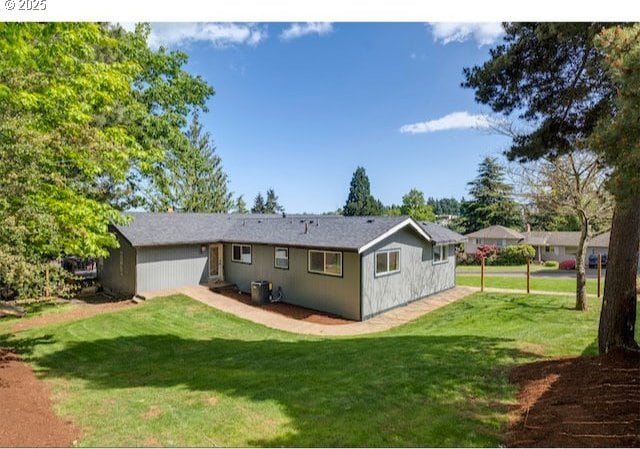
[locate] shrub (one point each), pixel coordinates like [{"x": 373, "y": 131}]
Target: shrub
[
  {"x": 569, "y": 264},
  {"x": 516, "y": 254},
  {"x": 21, "y": 278},
  {"x": 489, "y": 252},
  {"x": 551, "y": 264}
]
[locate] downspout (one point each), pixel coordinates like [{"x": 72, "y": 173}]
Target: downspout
[{"x": 361, "y": 284}]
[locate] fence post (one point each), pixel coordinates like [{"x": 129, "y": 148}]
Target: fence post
[
  {"x": 528, "y": 275},
  {"x": 46, "y": 281},
  {"x": 599, "y": 274},
  {"x": 482, "y": 274}
]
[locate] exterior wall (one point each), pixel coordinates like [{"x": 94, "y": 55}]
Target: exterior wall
[
  {"x": 338, "y": 295},
  {"x": 165, "y": 267},
  {"x": 418, "y": 277},
  {"x": 472, "y": 244},
  {"x": 114, "y": 280}
]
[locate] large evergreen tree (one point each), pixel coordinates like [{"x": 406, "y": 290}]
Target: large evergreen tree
[
  {"x": 556, "y": 79},
  {"x": 491, "y": 202},
  {"x": 271, "y": 205},
  {"x": 192, "y": 178},
  {"x": 240, "y": 206},
  {"x": 360, "y": 201},
  {"x": 617, "y": 139},
  {"x": 258, "y": 204}
]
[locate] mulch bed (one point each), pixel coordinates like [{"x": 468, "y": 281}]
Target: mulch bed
[
  {"x": 288, "y": 310},
  {"x": 578, "y": 402},
  {"x": 25, "y": 411}
]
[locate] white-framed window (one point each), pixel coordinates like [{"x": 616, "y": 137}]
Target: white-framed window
[
  {"x": 439, "y": 253},
  {"x": 241, "y": 253},
  {"x": 325, "y": 262},
  {"x": 281, "y": 258},
  {"x": 387, "y": 262}
]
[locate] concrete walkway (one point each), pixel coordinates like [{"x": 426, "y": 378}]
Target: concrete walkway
[{"x": 382, "y": 322}]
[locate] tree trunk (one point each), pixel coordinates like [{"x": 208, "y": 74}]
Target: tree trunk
[
  {"x": 618, "y": 315},
  {"x": 581, "y": 270}
]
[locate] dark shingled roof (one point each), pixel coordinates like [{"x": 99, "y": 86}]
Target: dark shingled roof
[
  {"x": 440, "y": 234},
  {"x": 315, "y": 231}
]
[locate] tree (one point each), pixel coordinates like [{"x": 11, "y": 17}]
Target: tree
[
  {"x": 360, "y": 201},
  {"x": 557, "y": 80},
  {"x": 571, "y": 185},
  {"x": 617, "y": 139},
  {"x": 85, "y": 110},
  {"x": 271, "y": 206},
  {"x": 414, "y": 205},
  {"x": 258, "y": 205},
  {"x": 192, "y": 178},
  {"x": 444, "y": 206},
  {"x": 491, "y": 203},
  {"x": 240, "y": 206}
]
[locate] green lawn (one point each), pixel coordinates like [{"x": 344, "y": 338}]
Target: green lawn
[
  {"x": 502, "y": 268},
  {"x": 34, "y": 309},
  {"x": 174, "y": 372},
  {"x": 520, "y": 283}
]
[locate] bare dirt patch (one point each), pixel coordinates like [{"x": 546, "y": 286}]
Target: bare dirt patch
[
  {"x": 288, "y": 310},
  {"x": 26, "y": 414},
  {"x": 82, "y": 310},
  {"x": 578, "y": 402},
  {"x": 153, "y": 412}
]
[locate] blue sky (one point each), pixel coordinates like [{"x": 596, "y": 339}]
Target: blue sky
[{"x": 299, "y": 106}]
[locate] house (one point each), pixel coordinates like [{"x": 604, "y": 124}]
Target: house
[
  {"x": 549, "y": 245},
  {"x": 355, "y": 267},
  {"x": 497, "y": 235}
]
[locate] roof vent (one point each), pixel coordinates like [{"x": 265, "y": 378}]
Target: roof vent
[
  {"x": 259, "y": 221},
  {"x": 310, "y": 221},
  {"x": 302, "y": 220},
  {"x": 370, "y": 220},
  {"x": 284, "y": 215}
]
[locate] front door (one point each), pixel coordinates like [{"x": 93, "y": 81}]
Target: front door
[{"x": 215, "y": 262}]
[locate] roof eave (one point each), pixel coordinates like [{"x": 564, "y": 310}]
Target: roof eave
[{"x": 393, "y": 230}]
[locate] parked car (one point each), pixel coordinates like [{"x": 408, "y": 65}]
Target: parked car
[{"x": 593, "y": 261}]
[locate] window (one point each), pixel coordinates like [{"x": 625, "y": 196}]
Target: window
[
  {"x": 281, "y": 258},
  {"x": 241, "y": 253},
  {"x": 439, "y": 253},
  {"x": 387, "y": 262},
  {"x": 325, "y": 262}
]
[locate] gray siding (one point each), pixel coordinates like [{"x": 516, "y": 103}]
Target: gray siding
[
  {"x": 165, "y": 267},
  {"x": 418, "y": 276},
  {"x": 338, "y": 295},
  {"x": 113, "y": 280}
]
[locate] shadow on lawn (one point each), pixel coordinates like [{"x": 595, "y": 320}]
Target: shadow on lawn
[{"x": 384, "y": 391}]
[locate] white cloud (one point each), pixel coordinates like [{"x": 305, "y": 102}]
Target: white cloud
[
  {"x": 218, "y": 34},
  {"x": 297, "y": 30},
  {"x": 455, "y": 120},
  {"x": 484, "y": 33}
]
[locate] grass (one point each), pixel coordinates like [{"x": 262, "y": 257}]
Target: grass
[
  {"x": 520, "y": 283},
  {"x": 502, "y": 268},
  {"x": 174, "y": 372},
  {"x": 34, "y": 309}
]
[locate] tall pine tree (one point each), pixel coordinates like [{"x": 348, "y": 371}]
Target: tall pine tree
[
  {"x": 360, "y": 201},
  {"x": 192, "y": 178},
  {"x": 271, "y": 206},
  {"x": 492, "y": 203},
  {"x": 258, "y": 205},
  {"x": 559, "y": 81}
]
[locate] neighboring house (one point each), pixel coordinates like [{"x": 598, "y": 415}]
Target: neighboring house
[
  {"x": 493, "y": 235},
  {"x": 553, "y": 245},
  {"x": 355, "y": 267},
  {"x": 549, "y": 245}
]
